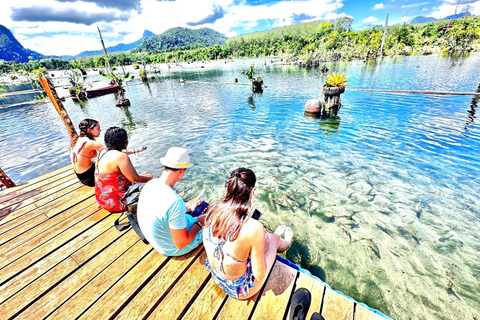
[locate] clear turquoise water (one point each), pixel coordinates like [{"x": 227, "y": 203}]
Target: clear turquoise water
[{"x": 405, "y": 164}]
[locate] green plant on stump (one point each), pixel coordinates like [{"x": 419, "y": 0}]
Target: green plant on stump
[
  {"x": 335, "y": 84},
  {"x": 257, "y": 83},
  {"x": 336, "y": 80}
]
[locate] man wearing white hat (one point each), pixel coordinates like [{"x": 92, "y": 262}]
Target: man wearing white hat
[{"x": 162, "y": 212}]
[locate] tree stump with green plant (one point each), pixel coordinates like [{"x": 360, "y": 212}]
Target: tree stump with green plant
[
  {"x": 257, "y": 83},
  {"x": 334, "y": 86}
]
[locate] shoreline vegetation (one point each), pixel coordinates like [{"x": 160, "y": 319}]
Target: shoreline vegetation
[{"x": 308, "y": 44}]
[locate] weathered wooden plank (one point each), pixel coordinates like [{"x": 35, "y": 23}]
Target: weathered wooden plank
[
  {"x": 237, "y": 309},
  {"x": 94, "y": 240},
  {"x": 56, "y": 206},
  {"x": 276, "y": 293},
  {"x": 362, "y": 313},
  {"x": 94, "y": 289},
  {"x": 33, "y": 190},
  {"x": 175, "y": 303},
  {"x": 46, "y": 247},
  {"x": 68, "y": 287},
  {"x": 316, "y": 289},
  {"x": 13, "y": 192},
  {"x": 20, "y": 216},
  {"x": 126, "y": 288},
  {"x": 16, "y": 236},
  {"x": 17, "y": 245},
  {"x": 207, "y": 303},
  {"x": 158, "y": 287},
  {"x": 336, "y": 306},
  {"x": 30, "y": 203}
]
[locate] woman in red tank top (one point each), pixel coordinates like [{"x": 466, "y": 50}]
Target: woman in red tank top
[{"x": 115, "y": 172}]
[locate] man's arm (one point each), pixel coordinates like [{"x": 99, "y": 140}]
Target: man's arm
[{"x": 182, "y": 237}]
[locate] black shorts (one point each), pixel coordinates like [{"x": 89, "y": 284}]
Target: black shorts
[{"x": 87, "y": 177}]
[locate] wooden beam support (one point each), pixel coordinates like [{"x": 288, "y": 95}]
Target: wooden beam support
[
  {"x": 5, "y": 180},
  {"x": 57, "y": 103}
]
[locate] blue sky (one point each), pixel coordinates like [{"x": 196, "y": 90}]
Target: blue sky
[{"x": 68, "y": 27}]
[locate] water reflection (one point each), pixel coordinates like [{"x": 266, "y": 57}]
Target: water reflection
[
  {"x": 131, "y": 125},
  {"x": 473, "y": 109}
]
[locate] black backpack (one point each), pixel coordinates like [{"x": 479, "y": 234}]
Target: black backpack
[{"x": 129, "y": 204}]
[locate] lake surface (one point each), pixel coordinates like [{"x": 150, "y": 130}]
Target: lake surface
[{"x": 407, "y": 167}]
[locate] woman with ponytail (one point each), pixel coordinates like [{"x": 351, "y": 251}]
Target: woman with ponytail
[
  {"x": 240, "y": 252},
  {"x": 83, "y": 149}
]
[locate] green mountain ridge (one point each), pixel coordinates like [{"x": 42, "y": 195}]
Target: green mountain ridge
[
  {"x": 12, "y": 50},
  {"x": 181, "y": 38}
]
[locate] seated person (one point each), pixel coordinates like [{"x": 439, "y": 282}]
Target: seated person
[
  {"x": 161, "y": 212},
  {"x": 240, "y": 252},
  {"x": 114, "y": 172},
  {"x": 84, "y": 148}
]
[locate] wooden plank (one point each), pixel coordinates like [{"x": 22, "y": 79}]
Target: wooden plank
[
  {"x": 69, "y": 286},
  {"x": 48, "y": 246},
  {"x": 316, "y": 289},
  {"x": 33, "y": 190},
  {"x": 126, "y": 288},
  {"x": 175, "y": 304},
  {"x": 55, "y": 206},
  {"x": 16, "y": 236},
  {"x": 31, "y": 202},
  {"x": 207, "y": 303},
  {"x": 26, "y": 213},
  {"x": 94, "y": 240},
  {"x": 21, "y": 244},
  {"x": 6, "y": 194},
  {"x": 336, "y": 306},
  {"x": 276, "y": 293},
  {"x": 158, "y": 287},
  {"x": 93, "y": 290},
  {"x": 362, "y": 313},
  {"x": 237, "y": 309}
]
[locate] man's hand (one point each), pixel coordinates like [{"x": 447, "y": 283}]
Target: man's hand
[
  {"x": 193, "y": 204},
  {"x": 201, "y": 219}
]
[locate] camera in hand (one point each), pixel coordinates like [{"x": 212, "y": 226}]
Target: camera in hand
[
  {"x": 256, "y": 214},
  {"x": 199, "y": 209}
]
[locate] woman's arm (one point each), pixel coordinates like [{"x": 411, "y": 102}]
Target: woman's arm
[
  {"x": 257, "y": 256},
  {"x": 135, "y": 151},
  {"x": 126, "y": 168}
]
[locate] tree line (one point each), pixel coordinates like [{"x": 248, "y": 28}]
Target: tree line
[{"x": 324, "y": 41}]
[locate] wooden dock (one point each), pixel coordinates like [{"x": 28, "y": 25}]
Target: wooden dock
[{"x": 62, "y": 258}]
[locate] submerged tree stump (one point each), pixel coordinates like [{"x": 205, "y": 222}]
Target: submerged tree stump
[{"x": 331, "y": 101}]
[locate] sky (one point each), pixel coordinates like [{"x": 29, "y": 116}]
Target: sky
[{"x": 68, "y": 27}]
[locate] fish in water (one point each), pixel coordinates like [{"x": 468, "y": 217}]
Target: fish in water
[
  {"x": 351, "y": 183},
  {"x": 443, "y": 239},
  {"x": 382, "y": 225},
  {"x": 372, "y": 245},
  {"x": 444, "y": 232},
  {"x": 369, "y": 183},
  {"x": 345, "y": 230},
  {"x": 369, "y": 191},
  {"x": 418, "y": 209},
  {"x": 349, "y": 173},
  {"x": 348, "y": 217},
  {"x": 351, "y": 194},
  {"x": 412, "y": 232},
  {"x": 393, "y": 252}
]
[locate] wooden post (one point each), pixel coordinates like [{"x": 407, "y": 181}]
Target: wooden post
[
  {"x": 383, "y": 38},
  {"x": 57, "y": 103},
  {"x": 5, "y": 180}
]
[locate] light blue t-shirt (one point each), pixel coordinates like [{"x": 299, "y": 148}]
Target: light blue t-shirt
[{"x": 160, "y": 209}]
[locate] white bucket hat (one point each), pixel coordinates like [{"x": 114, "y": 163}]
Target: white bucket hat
[{"x": 176, "y": 158}]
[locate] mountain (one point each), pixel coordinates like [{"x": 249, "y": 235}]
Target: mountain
[
  {"x": 421, "y": 19},
  {"x": 11, "y": 49},
  {"x": 181, "y": 38},
  {"x": 118, "y": 47}
]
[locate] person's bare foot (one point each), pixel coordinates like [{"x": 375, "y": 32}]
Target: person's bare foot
[
  {"x": 280, "y": 230},
  {"x": 288, "y": 235}
]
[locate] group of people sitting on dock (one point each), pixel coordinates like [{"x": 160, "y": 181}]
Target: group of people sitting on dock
[{"x": 240, "y": 252}]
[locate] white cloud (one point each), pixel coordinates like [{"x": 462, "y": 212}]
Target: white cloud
[
  {"x": 378, "y": 6},
  {"x": 369, "y": 20},
  {"x": 413, "y": 5},
  {"x": 334, "y": 16},
  {"x": 405, "y": 19}
]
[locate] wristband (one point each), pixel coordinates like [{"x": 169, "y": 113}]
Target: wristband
[{"x": 198, "y": 224}]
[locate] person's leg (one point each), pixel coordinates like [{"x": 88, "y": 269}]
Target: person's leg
[{"x": 270, "y": 255}]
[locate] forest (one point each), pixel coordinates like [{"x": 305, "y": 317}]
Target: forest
[{"x": 321, "y": 41}]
